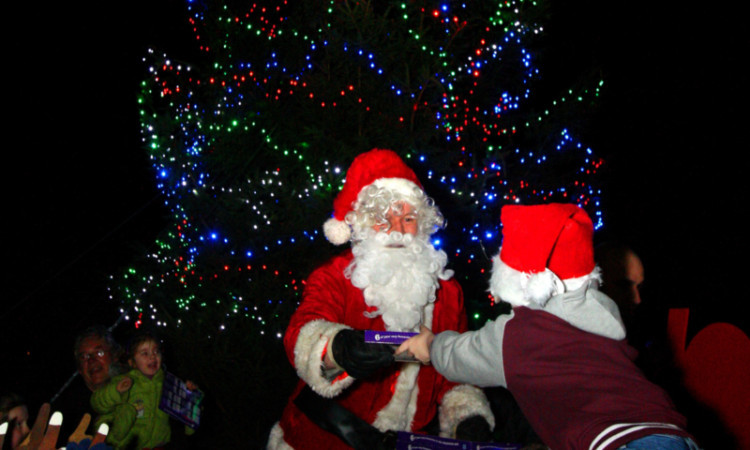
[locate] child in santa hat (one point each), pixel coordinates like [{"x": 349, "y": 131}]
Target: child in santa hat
[{"x": 562, "y": 351}]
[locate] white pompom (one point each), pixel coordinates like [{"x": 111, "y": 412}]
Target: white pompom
[
  {"x": 337, "y": 231},
  {"x": 523, "y": 289}
]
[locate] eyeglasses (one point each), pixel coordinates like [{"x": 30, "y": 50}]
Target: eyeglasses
[{"x": 86, "y": 357}]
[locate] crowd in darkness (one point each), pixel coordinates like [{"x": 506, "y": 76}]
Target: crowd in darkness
[{"x": 113, "y": 402}]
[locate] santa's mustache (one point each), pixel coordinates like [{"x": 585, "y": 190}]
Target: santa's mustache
[{"x": 392, "y": 240}]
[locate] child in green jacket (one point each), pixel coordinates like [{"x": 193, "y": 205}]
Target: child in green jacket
[{"x": 130, "y": 402}]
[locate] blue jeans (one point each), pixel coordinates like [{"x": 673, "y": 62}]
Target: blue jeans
[{"x": 662, "y": 442}]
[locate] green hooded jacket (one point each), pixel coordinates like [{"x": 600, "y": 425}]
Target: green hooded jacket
[{"x": 134, "y": 415}]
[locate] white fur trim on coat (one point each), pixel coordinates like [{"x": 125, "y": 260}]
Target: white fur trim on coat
[
  {"x": 276, "y": 439},
  {"x": 398, "y": 414},
  {"x": 308, "y": 356},
  {"x": 462, "y": 402}
]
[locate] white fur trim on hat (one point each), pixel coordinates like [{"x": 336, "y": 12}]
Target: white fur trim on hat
[
  {"x": 460, "y": 403},
  {"x": 532, "y": 289},
  {"x": 337, "y": 231},
  {"x": 400, "y": 186},
  {"x": 520, "y": 288},
  {"x": 308, "y": 356}
]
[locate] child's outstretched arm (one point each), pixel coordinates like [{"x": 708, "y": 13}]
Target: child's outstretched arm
[
  {"x": 473, "y": 357},
  {"x": 419, "y": 345}
]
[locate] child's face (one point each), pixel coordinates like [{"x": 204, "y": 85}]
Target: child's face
[{"x": 147, "y": 358}]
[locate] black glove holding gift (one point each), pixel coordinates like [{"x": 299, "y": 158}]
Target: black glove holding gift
[
  {"x": 358, "y": 358},
  {"x": 475, "y": 429}
]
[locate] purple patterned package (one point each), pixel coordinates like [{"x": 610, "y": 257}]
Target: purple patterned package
[
  {"x": 387, "y": 337},
  {"x": 411, "y": 441}
]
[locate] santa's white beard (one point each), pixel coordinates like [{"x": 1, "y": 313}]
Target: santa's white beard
[{"x": 399, "y": 275}]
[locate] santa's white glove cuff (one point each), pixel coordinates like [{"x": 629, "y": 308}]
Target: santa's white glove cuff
[{"x": 312, "y": 344}]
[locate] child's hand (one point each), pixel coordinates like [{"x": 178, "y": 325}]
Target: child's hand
[
  {"x": 419, "y": 345},
  {"x": 124, "y": 385},
  {"x": 191, "y": 386}
]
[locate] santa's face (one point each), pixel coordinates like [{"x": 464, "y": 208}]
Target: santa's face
[{"x": 402, "y": 218}]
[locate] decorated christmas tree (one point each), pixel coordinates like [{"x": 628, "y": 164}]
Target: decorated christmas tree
[{"x": 251, "y": 139}]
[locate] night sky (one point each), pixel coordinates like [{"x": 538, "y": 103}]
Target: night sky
[{"x": 82, "y": 204}]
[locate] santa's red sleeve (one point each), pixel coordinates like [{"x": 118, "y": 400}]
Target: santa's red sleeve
[{"x": 315, "y": 322}]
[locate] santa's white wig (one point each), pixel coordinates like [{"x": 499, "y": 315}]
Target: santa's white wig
[{"x": 375, "y": 200}]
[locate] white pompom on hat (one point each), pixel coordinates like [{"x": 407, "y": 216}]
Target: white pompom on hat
[
  {"x": 378, "y": 166},
  {"x": 545, "y": 248}
]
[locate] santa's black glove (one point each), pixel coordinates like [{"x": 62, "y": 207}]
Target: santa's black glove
[
  {"x": 389, "y": 441},
  {"x": 358, "y": 358},
  {"x": 475, "y": 429}
]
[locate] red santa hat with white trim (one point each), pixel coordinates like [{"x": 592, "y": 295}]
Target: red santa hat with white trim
[
  {"x": 546, "y": 250},
  {"x": 379, "y": 167}
]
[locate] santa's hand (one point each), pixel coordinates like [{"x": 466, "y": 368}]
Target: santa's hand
[
  {"x": 419, "y": 345},
  {"x": 475, "y": 429},
  {"x": 358, "y": 358}
]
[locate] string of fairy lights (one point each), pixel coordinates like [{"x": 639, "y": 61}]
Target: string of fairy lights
[{"x": 188, "y": 114}]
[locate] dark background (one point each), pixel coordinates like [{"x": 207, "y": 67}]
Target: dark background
[{"x": 81, "y": 203}]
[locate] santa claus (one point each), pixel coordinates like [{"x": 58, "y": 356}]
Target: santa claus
[{"x": 352, "y": 393}]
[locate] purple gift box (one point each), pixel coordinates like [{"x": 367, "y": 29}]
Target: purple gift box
[{"x": 411, "y": 441}]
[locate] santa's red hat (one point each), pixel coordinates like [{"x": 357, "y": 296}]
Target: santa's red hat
[
  {"x": 383, "y": 168},
  {"x": 545, "y": 247}
]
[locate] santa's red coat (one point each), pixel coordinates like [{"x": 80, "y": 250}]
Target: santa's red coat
[{"x": 330, "y": 302}]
